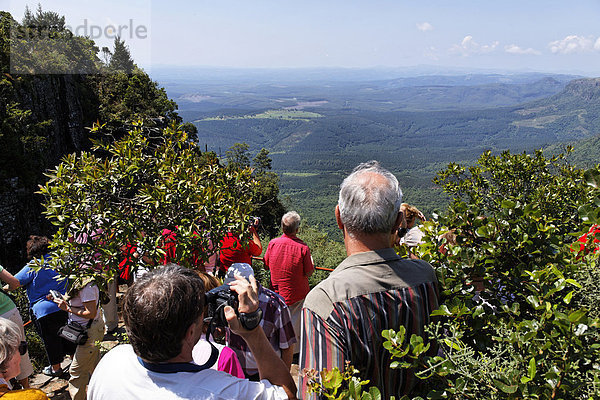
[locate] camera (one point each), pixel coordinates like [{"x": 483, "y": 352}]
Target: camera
[
  {"x": 56, "y": 295},
  {"x": 216, "y": 300}
]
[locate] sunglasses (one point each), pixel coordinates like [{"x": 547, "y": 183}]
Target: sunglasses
[{"x": 22, "y": 348}]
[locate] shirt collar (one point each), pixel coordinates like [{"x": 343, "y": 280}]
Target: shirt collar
[{"x": 367, "y": 257}]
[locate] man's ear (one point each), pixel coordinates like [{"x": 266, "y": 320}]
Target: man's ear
[
  {"x": 338, "y": 217},
  {"x": 192, "y": 332},
  {"x": 400, "y": 221}
]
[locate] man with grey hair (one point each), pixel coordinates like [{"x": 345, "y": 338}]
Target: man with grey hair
[
  {"x": 289, "y": 260},
  {"x": 373, "y": 289}
]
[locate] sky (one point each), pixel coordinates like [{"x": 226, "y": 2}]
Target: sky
[{"x": 525, "y": 35}]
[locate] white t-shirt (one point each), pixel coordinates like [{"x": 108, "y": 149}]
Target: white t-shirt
[
  {"x": 119, "y": 375},
  {"x": 89, "y": 292}
]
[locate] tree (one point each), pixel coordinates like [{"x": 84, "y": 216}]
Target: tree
[
  {"x": 43, "y": 20},
  {"x": 125, "y": 98},
  {"x": 191, "y": 130},
  {"x": 121, "y": 57},
  {"x": 237, "y": 156},
  {"x": 262, "y": 162},
  {"x": 514, "y": 320},
  {"x": 131, "y": 189}
]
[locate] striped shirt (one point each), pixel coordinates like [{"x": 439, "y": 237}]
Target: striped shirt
[
  {"x": 343, "y": 316},
  {"x": 277, "y": 325}
]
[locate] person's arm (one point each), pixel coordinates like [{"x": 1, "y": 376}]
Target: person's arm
[
  {"x": 287, "y": 355},
  {"x": 88, "y": 311},
  {"x": 270, "y": 366},
  {"x": 266, "y": 257},
  {"x": 309, "y": 267},
  {"x": 7, "y": 277},
  {"x": 255, "y": 244}
]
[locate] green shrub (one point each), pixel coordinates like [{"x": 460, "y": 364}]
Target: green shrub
[
  {"x": 129, "y": 190},
  {"x": 518, "y": 315},
  {"x": 529, "y": 333}
]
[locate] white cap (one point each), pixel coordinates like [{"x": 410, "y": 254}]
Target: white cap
[{"x": 238, "y": 269}]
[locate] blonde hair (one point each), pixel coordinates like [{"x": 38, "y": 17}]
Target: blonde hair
[{"x": 410, "y": 212}]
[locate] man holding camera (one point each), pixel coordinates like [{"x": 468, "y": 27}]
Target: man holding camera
[
  {"x": 163, "y": 313},
  {"x": 276, "y": 323}
]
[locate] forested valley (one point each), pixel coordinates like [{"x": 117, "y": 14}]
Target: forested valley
[{"x": 316, "y": 131}]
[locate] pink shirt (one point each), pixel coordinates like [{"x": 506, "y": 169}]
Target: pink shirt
[
  {"x": 289, "y": 260},
  {"x": 228, "y": 361}
]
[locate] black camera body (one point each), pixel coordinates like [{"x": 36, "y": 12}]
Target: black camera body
[{"x": 216, "y": 300}]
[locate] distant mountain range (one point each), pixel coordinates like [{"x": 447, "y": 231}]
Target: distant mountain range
[{"x": 415, "y": 126}]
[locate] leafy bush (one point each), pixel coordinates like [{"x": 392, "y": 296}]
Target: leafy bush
[
  {"x": 518, "y": 316},
  {"x": 514, "y": 320},
  {"x": 129, "y": 190}
]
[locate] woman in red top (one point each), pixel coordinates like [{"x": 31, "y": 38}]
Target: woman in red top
[{"x": 233, "y": 252}]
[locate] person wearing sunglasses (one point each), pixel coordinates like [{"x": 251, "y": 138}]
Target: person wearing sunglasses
[{"x": 12, "y": 347}]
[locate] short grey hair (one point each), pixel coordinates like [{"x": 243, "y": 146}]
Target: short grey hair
[
  {"x": 10, "y": 338},
  {"x": 290, "y": 222},
  {"x": 366, "y": 205}
]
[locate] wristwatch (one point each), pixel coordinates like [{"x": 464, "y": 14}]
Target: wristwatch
[{"x": 251, "y": 320}]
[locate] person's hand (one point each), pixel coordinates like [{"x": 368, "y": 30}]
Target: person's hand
[
  {"x": 61, "y": 303},
  {"x": 248, "y": 302},
  {"x": 247, "y": 293}
]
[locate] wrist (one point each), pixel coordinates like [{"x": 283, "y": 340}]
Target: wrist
[
  {"x": 250, "y": 321},
  {"x": 249, "y": 336}
]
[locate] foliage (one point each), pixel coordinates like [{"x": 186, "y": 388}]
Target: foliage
[
  {"x": 43, "y": 45},
  {"x": 120, "y": 59},
  {"x": 237, "y": 156},
  {"x": 128, "y": 97},
  {"x": 340, "y": 385},
  {"x": 325, "y": 252},
  {"x": 265, "y": 196},
  {"x": 43, "y": 20},
  {"x": 514, "y": 316},
  {"x": 131, "y": 189},
  {"x": 22, "y": 139}
]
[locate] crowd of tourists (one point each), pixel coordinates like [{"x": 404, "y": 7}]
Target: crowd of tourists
[{"x": 177, "y": 348}]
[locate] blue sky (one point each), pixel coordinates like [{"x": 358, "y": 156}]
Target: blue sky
[{"x": 548, "y": 35}]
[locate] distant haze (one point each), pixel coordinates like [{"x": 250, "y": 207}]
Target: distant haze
[{"x": 535, "y": 35}]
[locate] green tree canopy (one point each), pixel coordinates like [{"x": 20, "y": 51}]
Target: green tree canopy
[
  {"x": 148, "y": 181},
  {"x": 43, "y": 20},
  {"x": 120, "y": 59},
  {"x": 515, "y": 320}
]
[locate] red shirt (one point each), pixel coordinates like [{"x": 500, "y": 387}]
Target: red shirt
[
  {"x": 290, "y": 263},
  {"x": 233, "y": 252},
  {"x": 594, "y": 231},
  {"x": 170, "y": 248}
]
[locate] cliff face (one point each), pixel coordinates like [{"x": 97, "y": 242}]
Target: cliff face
[
  {"x": 68, "y": 103},
  {"x": 585, "y": 89}
]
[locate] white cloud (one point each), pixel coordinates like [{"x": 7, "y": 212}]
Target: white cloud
[
  {"x": 468, "y": 46},
  {"x": 574, "y": 44},
  {"x": 514, "y": 49},
  {"x": 424, "y": 27}
]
